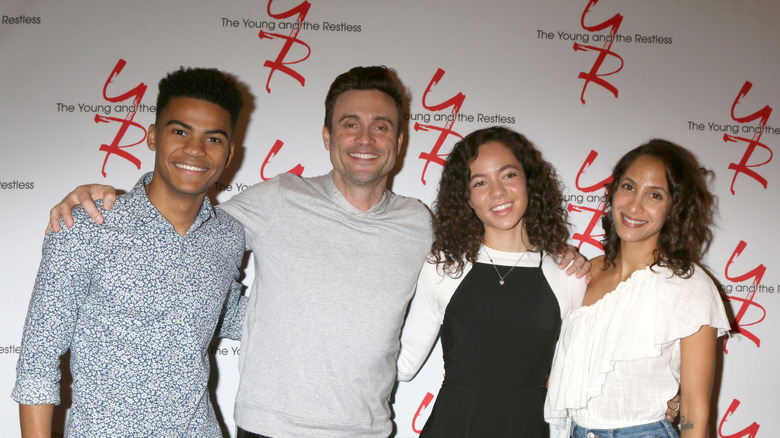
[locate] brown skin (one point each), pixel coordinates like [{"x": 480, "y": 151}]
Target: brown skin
[
  {"x": 192, "y": 144},
  {"x": 697, "y": 370},
  {"x": 35, "y": 420}
]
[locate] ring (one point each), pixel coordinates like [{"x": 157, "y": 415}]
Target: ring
[{"x": 677, "y": 409}]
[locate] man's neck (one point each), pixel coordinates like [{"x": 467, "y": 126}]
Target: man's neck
[
  {"x": 180, "y": 212},
  {"x": 362, "y": 197}
]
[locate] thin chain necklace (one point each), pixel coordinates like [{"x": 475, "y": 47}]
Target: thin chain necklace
[{"x": 501, "y": 277}]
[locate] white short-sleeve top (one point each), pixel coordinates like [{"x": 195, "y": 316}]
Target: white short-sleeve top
[{"x": 617, "y": 361}]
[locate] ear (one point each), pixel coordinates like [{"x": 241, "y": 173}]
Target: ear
[
  {"x": 400, "y": 142},
  {"x": 151, "y": 137},
  {"x": 230, "y": 154},
  {"x": 326, "y": 137}
]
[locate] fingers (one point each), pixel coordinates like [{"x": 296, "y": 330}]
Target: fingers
[
  {"x": 54, "y": 220},
  {"x": 673, "y": 409},
  {"x": 577, "y": 264},
  {"x": 569, "y": 254},
  {"x": 580, "y": 268},
  {"x": 84, "y": 197},
  {"x": 108, "y": 200}
]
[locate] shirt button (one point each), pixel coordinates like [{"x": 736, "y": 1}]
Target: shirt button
[
  {"x": 591, "y": 435},
  {"x": 175, "y": 397}
]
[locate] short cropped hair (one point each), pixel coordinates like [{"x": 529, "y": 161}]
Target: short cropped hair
[
  {"x": 378, "y": 78},
  {"x": 207, "y": 84}
]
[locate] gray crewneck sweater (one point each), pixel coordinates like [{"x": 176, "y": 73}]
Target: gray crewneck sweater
[{"x": 331, "y": 286}]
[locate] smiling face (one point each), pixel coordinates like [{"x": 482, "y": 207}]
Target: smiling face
[
  {"x": 364, "y": 140},
  {"x": 497, "y": 193},
  {"x": 641, "y": 202},
  {"x": 192, "y": 143}
]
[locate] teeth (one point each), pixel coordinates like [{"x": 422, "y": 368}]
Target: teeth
[
  {"x": 501, "y": 207},
  {"x": 633, "y": 222},
  {"x": 188, "y": 167},
  {"x": 363, "y": 156}
]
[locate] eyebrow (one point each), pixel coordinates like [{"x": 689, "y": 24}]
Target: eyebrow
[
  {"x": 634, "y": 183},
  {"x": 355, "y": 116},
  {"x": 186, "y": 126},
  {"x": 503, "y": 168}
]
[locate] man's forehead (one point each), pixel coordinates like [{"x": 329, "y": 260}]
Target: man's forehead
[{"x": 375, "y": 102}]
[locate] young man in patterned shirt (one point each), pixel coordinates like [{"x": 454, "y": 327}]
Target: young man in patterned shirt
[{"x": 137, "y": 298}]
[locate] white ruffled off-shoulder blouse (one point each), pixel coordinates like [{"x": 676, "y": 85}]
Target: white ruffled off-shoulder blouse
[{"x": 618, "y": 361}]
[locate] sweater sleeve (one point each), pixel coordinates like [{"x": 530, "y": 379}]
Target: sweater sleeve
[{"x": 254, "y": 208}]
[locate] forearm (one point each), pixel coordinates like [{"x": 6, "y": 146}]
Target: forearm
[
  {"x": 697, "y": 370},
  {"x": 693, "y": 419},
  {"x": 35, "y": 420}
]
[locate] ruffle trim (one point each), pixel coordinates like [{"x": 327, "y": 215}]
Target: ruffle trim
[{"x": 648, "y": 311}]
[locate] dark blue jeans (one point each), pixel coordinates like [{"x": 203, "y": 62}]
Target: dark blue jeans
[{"x": 244, "y": 434}]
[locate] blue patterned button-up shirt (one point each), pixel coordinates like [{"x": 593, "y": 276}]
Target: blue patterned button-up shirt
[{"x": 137, "y": 304}]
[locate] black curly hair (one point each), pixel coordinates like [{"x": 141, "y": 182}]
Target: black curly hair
[
  {"x": 459, "y": 232},
  {"x": 686, "y": 234},
  {"x": 207, "y": 84}
]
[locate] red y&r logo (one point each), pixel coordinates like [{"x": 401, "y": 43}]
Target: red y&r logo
[
  {"x": 136, "y": 94},
  {"x": 279, "y": 64},
  {"x": 297, "y": 170},
  {"x": 757, "y": 274},
  {"x": 588, "y": 236},
  {"x": 763, "y": 116},
  {"x": 423, "y": 406},
  {"x": 455, "y": 102},
  {"x": 749, "y": 432},
  {"x": 593, "y": 75}
]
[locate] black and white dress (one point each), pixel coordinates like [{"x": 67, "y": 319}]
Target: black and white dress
[{"x": 498, "y": 342}]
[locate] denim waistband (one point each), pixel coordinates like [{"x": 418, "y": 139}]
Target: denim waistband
[{"x": 659, "y": 429}]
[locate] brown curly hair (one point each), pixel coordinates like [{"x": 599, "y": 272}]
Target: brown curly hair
[
  {"x": 458, "y": 230},
  {"x": 686, "y": 234}
]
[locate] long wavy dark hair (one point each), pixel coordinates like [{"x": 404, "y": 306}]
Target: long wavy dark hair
[
  {"x": 458, "y": 230},
  {"x": 686, "y": 235}
]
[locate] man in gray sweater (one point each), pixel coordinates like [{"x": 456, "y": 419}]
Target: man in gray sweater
[{"x": 336, "y": 260}]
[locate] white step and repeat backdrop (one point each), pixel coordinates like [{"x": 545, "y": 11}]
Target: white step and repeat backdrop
[{"x": 585, "y": 80}]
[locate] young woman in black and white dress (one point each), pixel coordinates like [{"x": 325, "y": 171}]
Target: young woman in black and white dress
[{"x": 493, "y": 287}]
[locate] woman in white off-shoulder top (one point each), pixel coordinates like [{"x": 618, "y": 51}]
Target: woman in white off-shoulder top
[{"x": 651, "y": 315}]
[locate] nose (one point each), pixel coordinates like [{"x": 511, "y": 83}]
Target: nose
[
  {"x": 365, "y": 136},
  {"x": 635, "y": 206},
  {"x": 497, "y": 190},
  {"x": 194, "y": 147}
]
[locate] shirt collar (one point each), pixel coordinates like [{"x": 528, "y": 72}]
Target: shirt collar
[
  {"x": 335, "y": 194},
  {"x": 139, "y": 203}
]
